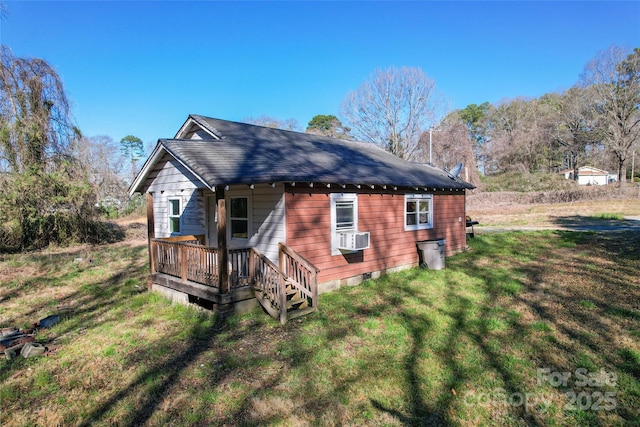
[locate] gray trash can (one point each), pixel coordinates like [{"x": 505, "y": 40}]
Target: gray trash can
[{"x": 431, "y": 253}]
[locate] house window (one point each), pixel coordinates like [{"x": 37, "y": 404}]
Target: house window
[
  {"x": 344, "y": 216},
  {"x": 239, "y": 217},
  {"x": 174, "y": 215},
  {"x": 418, "y": 211}
]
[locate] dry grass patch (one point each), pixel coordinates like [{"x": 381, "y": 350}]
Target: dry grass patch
[{"x": 552, "y": 215}]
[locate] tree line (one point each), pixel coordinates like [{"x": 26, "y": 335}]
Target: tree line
[
  {"x": 58, "y": 183},
  {"x": 596, "y": 122}
]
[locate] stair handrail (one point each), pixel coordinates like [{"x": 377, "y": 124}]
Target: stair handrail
[
  {"x": 280, "y": 298},
  {"x": 313, "y": 271},
  {"x": 282, "y": 247}
]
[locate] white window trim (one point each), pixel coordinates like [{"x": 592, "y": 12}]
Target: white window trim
[
  {"x": 418, "y": 198},
  {"x": 247, "y": 196},
  {"x": 170, "y": 215},
  {"x": 336, "y": 198}
]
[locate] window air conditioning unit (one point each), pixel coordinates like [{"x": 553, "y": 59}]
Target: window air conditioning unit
[{"x": 353, "y": 240}]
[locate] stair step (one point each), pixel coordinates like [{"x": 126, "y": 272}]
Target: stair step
[
  {"x": 297, "y": 303},
  {"x": 297, "y": 313},
  {"x": 291, "y": 292}
]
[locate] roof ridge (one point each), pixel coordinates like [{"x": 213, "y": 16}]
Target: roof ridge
[{"x": 366, "y": 144}]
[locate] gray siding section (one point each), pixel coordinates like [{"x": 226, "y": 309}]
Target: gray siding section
[
  {"x": 169, "y": 174},
  {"x": 170, "y": 180},
  {"x": 267, "y": 220}
]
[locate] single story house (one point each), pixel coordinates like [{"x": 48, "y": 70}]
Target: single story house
[
  {"x": 588, "y": 175},
  {"x": 240, "y": 213}
]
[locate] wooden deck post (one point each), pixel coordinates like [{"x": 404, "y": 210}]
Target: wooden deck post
[
  {"x": 281, "y": 260},
  {"x": 314, "y": 289},
  {"x": 282, "y": 292},
  {"x": 151, "y": 232},
  {"x": 223, "y": 254},
  {"x": 183, "y": 263},
  {"x": 252, "y": 267},
  {"x": 282, "y": 287}
]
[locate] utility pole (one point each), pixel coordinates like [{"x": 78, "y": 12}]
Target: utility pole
[
  {"x": 430, "y": 131},
  {"x": 633, "y": 165}
]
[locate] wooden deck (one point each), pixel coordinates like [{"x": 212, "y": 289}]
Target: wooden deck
[{"x": 285, "y": 291}]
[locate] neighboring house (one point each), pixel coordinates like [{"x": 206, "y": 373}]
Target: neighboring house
[
  {"x": 588, "y": 175},
  {"x": 279, "y": 213}
]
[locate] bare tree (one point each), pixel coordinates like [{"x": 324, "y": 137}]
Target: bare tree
[
  {"x": 515, "y": 135},
  {"x": 474, "y": 116},
  {"x": 572, "y": 126},
  {"x": 101, "y": 158},
  {"x": 453, "y": 144},
  {"x": 613, "y": 77},
  {"x": 393, "y": 108},
  {"x": 272, "y": 122}
]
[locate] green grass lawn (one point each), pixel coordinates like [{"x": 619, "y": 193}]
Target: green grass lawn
[{"x": 523, "y": 329}]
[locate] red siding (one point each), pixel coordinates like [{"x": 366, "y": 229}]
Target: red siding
[{"x": 379, "y": 212}]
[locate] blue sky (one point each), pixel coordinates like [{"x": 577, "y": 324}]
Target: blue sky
[{"x": 141, "y": 67}]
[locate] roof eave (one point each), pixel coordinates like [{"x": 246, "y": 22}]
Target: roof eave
[
  {"x": 146, "y": 169},
  {"x": 194, "y": 120},
  {"x": 210, "y": 186},
  {"x": 156, "y": 155}
]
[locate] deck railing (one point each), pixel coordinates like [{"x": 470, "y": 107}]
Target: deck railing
[
  {"x": 239, "y": 273},
  {"x": 190, "y": 261},
  {"x": 197, "y": 263}
]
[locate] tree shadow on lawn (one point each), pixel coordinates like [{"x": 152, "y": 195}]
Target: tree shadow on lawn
[
  {"x": 156, "y": 379},
  {"x": 393, "y": 294},
  {"x": 53, "y": 268},
  {"x": 90, "y": 296},
  {"x": 473, "y": 334},
  {"x": 467, "y": 328},
  {"x": 594, "y": 223},
  {"x": 83, "y": 309},
  {"x": 523, "y": 314},
  {"x": 500, "y": 330},
  {"x": 514, "y": 351},
  {"x": 573, "y": 291}
]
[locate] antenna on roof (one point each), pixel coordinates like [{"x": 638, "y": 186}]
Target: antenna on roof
[{"x": 456, "y": 170}]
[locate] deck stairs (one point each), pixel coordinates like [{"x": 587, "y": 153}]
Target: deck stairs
[
  {"x": 288, "y": 290},
  {"x": 297, "y": 304}
]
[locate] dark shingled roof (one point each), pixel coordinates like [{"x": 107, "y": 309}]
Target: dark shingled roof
[{"x": 249, "y": 154}]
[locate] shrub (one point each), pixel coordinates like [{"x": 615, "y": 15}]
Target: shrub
[
  {"x": 526, "y": 182},
  {"x": 41, "y": 207},
  {"x": 136, "y": 205},
  {"x": 477, "y": 200}
]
